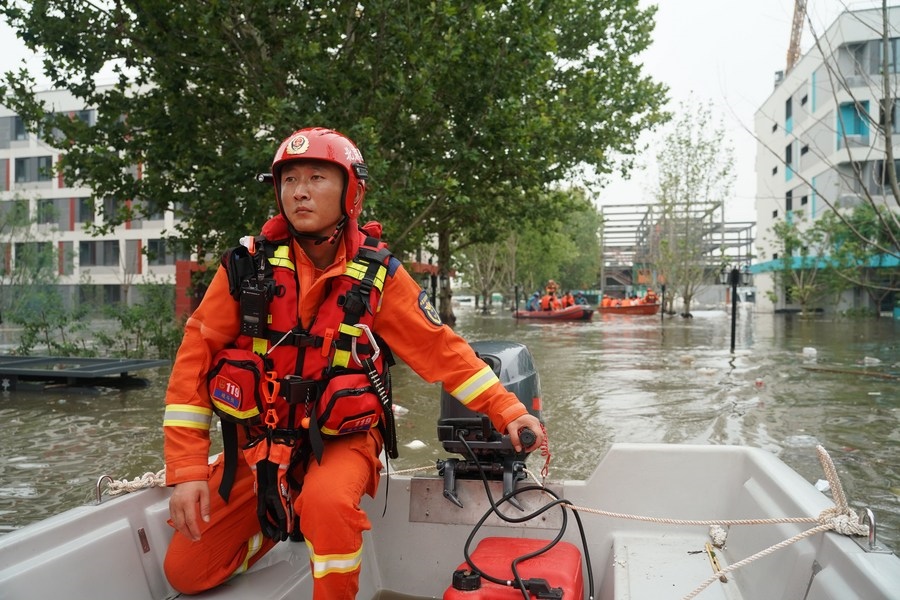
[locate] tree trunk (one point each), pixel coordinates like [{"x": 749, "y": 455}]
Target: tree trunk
[{"x": 445, "y": 309}]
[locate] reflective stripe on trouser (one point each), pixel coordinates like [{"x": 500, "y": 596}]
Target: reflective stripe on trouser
[
  {"x": 330, "y": 517},
  {"x": 229, "y": 544}
]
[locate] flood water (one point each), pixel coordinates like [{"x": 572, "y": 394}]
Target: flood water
[{"x": 791, "y": 384}]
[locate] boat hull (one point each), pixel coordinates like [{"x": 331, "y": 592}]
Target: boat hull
[
  {"x": 637, "y": 309},
  {"x": 418, "y": 536},
  {"x": 570, "y": 313}
]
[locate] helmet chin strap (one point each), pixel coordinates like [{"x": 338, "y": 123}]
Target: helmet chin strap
[{"x": 320, "y": 239}]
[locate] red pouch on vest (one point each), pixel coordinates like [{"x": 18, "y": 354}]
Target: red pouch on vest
[
  {"x": 348, "y": 404},
  {"x": 234, "y": 385}
]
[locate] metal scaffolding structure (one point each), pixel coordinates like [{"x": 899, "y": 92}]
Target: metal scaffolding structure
[{"x": 630, "y": 234}]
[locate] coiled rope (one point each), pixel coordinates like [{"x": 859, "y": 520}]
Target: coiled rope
[{"x": 116, "y": 487}]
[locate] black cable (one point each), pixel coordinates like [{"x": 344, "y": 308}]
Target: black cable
[{"x": 561, "y": 502}]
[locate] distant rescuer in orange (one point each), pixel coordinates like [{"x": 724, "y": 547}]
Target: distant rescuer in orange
[{"x": 289, "y": 347}]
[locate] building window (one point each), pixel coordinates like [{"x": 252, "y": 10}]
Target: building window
[
  {"x": 34, "y": 168},
  {"x": 19, "y": 131},
  {"x": 788, "y": 162},
  {"x": 804, "y": 99},
  {"x": 84, "y": 213},
  {"x": 47, "y": 211},
  {"x": 774, "y": 214},
  {"x": 87, "y": 254},
  {"x": 15, "y": 213},
  {"x": 789, "y": 201},
  {"x": 804, "y": 149},
  {"x": 775, "y": 170},
  {"x": 35, "y": 256},
  {"x": 804, "y": 200},
  {"x": 111, "y": 253},
  {"x": 788, "y": 115},
  {"x": 853, "y": 124}
]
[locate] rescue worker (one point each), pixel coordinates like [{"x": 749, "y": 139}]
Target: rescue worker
[
  {"x": 534, "y": 303},
  {"x": 550, "y": 302},
  {"x": 280, "y": 376},
  {"x": 567, "y": 300}
]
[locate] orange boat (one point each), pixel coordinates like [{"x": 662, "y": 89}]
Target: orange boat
[
  {"x": 579, "y": 312},
  {"x": 631, "y": 309}
]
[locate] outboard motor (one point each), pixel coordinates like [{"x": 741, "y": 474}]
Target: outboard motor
[{"x": 493, "y": 452}]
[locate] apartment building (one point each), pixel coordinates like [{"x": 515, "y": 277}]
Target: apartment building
[
  {"x": 818, "y": 144},
  {"x": 102, "y": 269}
]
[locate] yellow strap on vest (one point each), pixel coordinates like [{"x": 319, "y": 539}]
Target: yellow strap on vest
[
  {"x": 357, "y": 270},
  {"x": 282, "y": 258},
  {"x": 351, "y": 330},
  {"x": 260, "y": 346},
  {"x": 341, "y": 358}
]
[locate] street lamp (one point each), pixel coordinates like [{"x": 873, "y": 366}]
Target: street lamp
[{"x": 734, "y": 277}]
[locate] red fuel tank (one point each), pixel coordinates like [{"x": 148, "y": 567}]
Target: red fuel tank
[{"x": 560, "y": 566}]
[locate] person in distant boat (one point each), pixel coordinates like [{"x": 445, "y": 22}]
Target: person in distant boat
[
  {"x": 580, "y": 299},
  {"x": 567, "y": 300},
  {"x": 550, "y": 302},
  {"x": 290, "y": 348},
  {"x": 534, "y": 303}
]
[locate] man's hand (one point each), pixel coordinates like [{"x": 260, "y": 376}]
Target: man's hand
[
  {"x": 531, "y": 422},
  {"x": 188, "y": 503}
]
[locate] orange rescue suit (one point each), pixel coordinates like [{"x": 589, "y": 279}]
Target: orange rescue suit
[{"x": 328, "y": 503}]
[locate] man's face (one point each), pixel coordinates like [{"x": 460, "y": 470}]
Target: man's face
[{"x": 311, "y": 196}]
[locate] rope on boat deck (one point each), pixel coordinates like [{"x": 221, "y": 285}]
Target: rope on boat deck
[
  {"x": 839, "y": 518},
  {"x": 116, "y": 487}
]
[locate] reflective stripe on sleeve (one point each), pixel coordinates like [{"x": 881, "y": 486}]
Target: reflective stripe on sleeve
[
  {"x": 187, "y": 415},
  {"x": 325, "y": 564},
  {"x": 475, "y": 385}
]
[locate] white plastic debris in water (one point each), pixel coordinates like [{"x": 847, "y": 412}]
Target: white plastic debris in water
[
  {"x": 869, "y": 360},
  {"x": 809, "y": 352},
  {"x": 822, "y": 485},
  {"x": 400, "y": 410},
  {"x": 415, "y": 445}
]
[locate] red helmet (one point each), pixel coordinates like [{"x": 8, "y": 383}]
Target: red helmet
[{"x": 318, "y": 143}]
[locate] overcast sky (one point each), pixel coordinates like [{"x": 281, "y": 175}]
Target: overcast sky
[{"x": 724, "y": 51}]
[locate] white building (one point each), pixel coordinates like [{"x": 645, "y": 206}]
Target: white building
[
  {"x": 90, "y": 269},
  {"x": 818, "y": 127}
]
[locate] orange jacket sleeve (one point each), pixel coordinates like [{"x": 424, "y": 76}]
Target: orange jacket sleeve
[
  {"x": 410, "y": 326},
  {"x": 211, "y": 327}
]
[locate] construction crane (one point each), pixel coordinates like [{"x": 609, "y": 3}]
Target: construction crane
[{"x": 793, "y": 52}]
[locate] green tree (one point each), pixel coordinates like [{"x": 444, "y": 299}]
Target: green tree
[
  {"x": 566, "y": 249},
  {"x": 696, "y": 174},
  {"x": 801, "y": 265},
  {"x": 856, "y": 242},
  {"x": 465, "y": 111},
  {"x": 145, "y": 328}
]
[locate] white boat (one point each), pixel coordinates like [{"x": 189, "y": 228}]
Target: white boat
[{"x": 115, "y": 549}]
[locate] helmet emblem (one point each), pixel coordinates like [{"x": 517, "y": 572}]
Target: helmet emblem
[{"x": 298, "y": 144}]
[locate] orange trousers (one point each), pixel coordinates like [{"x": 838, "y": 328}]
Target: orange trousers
[{"x": 331, "y": 521}]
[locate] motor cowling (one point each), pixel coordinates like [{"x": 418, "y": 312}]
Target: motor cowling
[{"x": 471, "y": 434}]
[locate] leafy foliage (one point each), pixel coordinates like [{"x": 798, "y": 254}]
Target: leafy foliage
[
  {"x": 695, "y": 168},
  {"x": 464, "y": 110}
]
